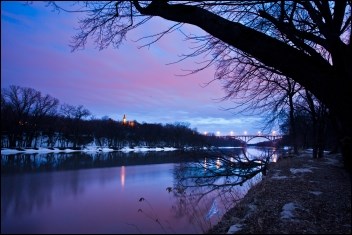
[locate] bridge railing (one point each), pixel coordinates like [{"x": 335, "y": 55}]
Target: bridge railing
[{"x": 247, "y": 138}]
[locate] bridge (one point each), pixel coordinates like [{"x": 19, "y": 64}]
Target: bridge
[{"x": 247, "y": 138}]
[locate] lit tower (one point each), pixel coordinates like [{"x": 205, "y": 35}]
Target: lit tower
[{"x": 124, "y": 119}]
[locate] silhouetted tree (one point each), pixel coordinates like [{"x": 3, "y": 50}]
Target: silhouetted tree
[
  {"x": 318, "y": 119},
  {"x": 307, "y": 41},
  {"x": 19, "y": 103},
  {"x": 74, "y": 123}
]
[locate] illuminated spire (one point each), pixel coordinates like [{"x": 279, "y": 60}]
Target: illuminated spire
[{"x": 124, "y": 119}]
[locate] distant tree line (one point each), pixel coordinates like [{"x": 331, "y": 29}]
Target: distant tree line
[{"x": 30, "y": 119}]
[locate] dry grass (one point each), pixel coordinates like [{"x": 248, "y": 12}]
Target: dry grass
[{"x": 320, "y": 190}]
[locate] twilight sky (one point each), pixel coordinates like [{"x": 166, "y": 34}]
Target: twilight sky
[{"x": 35, "y": 53}]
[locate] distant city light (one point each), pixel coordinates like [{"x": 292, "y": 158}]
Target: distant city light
[
  {"x": 274, "y": 132},
  {"x": 231, "y": 133},
  {"x": 218, "y": 133},
  {"x": 259, "y": 132},
  {"x": 245, "y": 132},
  {"x": 205, "y": 133},
  {"x": 218, "y": 163}
]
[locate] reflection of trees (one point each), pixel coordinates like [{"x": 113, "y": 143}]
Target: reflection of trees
[
  {"x": 211, "y": 185},
  {"x": 23, "y": 194},
  {"x": 34, "y": 162}
]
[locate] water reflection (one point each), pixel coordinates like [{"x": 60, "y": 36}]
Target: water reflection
[
  {"x": 206, "y": 189},
  {"x": 123, "y": 174},
  {"x": 73, "y": 193},
  {"x": 35, "y": 162},
  {"x": 98, "y": 200}
]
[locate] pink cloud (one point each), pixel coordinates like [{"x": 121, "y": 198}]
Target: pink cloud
[{"x": 109, "y": 82}]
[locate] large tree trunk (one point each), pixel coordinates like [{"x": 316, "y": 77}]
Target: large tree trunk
[{"x": 328, "y": 82}]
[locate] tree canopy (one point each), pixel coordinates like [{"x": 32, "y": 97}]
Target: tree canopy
[{"x": 307, "y": 41}]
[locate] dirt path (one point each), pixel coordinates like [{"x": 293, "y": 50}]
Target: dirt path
[{"x": 299, "y": 195}]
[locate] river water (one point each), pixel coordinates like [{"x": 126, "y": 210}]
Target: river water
[{"x": 153, "y": 192}]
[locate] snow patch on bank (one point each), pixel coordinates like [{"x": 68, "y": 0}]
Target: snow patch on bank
[
  {"x": 234, "y": 228},
  {"x": 85, "y": 149},
  {"x": 300, "y": 170},
  {"x": 288, "y": 211}
]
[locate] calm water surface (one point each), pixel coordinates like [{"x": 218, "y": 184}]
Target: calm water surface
[{"x": 117, "y": 199}]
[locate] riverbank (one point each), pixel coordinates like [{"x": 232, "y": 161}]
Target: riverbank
[
  {"x": 299, "y": 195},
  {"x": 7, "y": 151},
  {"x": 10, "y": 151}
]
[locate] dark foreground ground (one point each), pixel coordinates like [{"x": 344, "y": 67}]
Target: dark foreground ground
[{"x": 299, "y": 195}]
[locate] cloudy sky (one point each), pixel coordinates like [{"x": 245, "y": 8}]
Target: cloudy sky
[{"x": 129, "y": 80}]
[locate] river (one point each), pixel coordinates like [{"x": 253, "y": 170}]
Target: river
[{"x": 153, "y": 192}]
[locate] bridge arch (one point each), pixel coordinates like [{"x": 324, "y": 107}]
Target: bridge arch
[{"x": 247, "y": 138}]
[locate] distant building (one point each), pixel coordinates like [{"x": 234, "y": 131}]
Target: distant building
[{"x": 124, "y": 121}]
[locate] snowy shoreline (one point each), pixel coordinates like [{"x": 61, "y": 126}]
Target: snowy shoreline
[{"x": 7, "y": 151}]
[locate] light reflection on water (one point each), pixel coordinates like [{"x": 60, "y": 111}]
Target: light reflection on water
[{"x": 119, "y": 199}]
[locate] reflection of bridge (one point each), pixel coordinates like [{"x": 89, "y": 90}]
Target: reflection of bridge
[{"x": 247, "y": 138}]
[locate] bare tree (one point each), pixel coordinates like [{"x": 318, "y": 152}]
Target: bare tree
[
  {"x": 20, "y": 102},
  {"x": 307, "y": 41},
  {"x": 74, "y": 122},
  {"x": 22, "y": 112},
  {"x": 318, "y": 114},
  {"x": 73, "y": 112},
  {"x": 257, "y": 89},
  {"x": 44, "y": 106}
]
